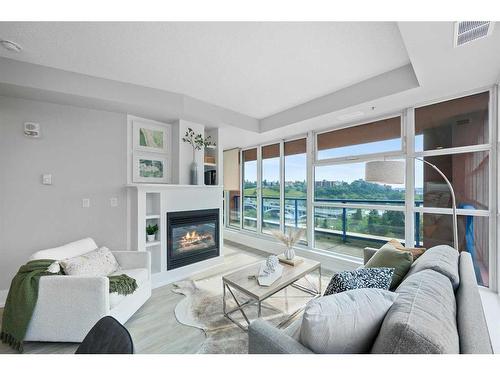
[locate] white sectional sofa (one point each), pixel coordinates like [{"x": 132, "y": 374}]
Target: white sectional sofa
[{"x": 69, "y": 306}]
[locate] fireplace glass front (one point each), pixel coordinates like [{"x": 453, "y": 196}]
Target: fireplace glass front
[{"x": 193, "y": 236}]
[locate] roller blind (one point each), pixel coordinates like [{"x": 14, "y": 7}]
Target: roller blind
[
  {"x": 366, "y": 133},
  {"x": 295, "y": 147},
  {"x": 232, "y": 170},
  {"x": 271, "y": 151}
]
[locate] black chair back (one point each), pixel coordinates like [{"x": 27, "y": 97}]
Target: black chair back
[{"x": 108, "y": 336}]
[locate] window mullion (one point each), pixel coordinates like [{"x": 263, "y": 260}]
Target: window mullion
[
  {"x": 282, "y": 186},
  {"x": 310, "y": 150},
  {"x": 259, "y": 190},
  {"x": 409, "y": 144}
]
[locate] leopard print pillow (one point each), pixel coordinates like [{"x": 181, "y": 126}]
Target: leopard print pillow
[{"x": 379, "y": 278}]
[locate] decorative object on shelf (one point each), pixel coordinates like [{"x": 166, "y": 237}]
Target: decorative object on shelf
[
  {"x": 151, "y": 231},
  {"x": 269, "y": 271},
  {"x": 393, "y": 172},
  {"x": 209, "y": 159},
  {"x": 289, "y": 239},
  {"x": 197, "y": 142},
  {"x": 211, "y": 177},
  {"x": 291, "y": 262},
  {"x": 150, "y": 168}
]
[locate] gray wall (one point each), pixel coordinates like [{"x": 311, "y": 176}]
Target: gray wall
[{"x": 85, "y": 151}]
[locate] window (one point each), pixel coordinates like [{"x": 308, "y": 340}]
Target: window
[
  {"x": 440, "y": 131},
  {"x": 234, "y": 209},
  {"x": 232, "y": 183},
  {"x": 250, "y": 189},
  {"x": 468, "y": 173},
  {"x": 454, "y": 123},
  {"x": 345, "y": 183},
  {"x": 349, "y": 230},
  {"x": 295, "y": 185},
  {"x": 375, "y": 137},
  {"x": 271, "y": 188},
  {"x": 349, "y": 213},
  {"x": 473, "y": 237}
]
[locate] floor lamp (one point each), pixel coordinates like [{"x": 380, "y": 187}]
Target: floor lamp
[{"x": 393, "y": 172}]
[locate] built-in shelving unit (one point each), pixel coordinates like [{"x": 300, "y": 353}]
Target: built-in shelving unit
[
  {"x": 150, "y": 205},
  {"x": 211, "y": 157},
  {"x": 152, "y": 217}
]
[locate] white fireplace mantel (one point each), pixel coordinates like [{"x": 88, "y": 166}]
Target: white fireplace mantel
[{"x": 150, "y": 204}]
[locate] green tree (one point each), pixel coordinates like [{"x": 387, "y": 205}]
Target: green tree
[{"x": 357, "y": 215}]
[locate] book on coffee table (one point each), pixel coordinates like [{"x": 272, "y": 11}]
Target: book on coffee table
[{"x": 291, "y": 262}]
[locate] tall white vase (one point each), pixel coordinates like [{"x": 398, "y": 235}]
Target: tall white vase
[{"x": 289, "y": 253}]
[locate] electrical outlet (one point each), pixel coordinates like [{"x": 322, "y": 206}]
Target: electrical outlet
[
  {"x": 85, "y": 202},
  {"x": 113, "y": 202}
]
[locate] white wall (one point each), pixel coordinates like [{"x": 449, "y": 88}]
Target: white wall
[{"x": 85, "y": 151}]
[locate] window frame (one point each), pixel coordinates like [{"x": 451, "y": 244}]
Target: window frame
[
  {"x": 355, "y": 157},
  {"x": 408, "y": 153},
  {"x": 493, "y": 190},
  {"x": 360, "y": 158}
]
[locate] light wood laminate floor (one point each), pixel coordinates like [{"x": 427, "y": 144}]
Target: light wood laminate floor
[{"x": 154, "y": 327}]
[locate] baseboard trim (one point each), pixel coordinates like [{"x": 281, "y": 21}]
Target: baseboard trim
[{"x": 3, "y": 297}]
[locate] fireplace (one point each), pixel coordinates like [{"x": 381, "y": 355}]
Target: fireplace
[{"x": 193, "y": 236}]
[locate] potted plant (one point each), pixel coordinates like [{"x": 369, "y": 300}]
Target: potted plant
[
  {"x": 289, "y": 239},
  {"x": 197, "y": 142},
  {"x": 151, "y": 232}
]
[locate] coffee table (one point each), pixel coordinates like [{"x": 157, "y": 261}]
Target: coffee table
[{"x": 243, "y": 281}]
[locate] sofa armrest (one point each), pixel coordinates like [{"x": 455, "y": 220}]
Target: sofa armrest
[
  {"x": 133, "y": 259},
  {"x": 368, "y": 252},
  {"x": 263, "y": 338},
  {"x": 67, "y": 307}
]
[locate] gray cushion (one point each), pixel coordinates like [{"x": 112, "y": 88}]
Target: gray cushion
[
  {"x": 442, "y": 259},
  {"x": 345, "y": 323},
  {"x": 472, "y": 328},
  {"x": 422, "y": 319}
]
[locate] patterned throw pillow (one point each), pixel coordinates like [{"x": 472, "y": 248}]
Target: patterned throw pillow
[
  {"x": 379, "y": 278},
  {"x": 99, "y": 262}
]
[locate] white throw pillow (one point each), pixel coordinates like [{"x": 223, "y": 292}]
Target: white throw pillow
[
  {"x": 345, "y": 323},
  {"x": 99, "y": 262}
]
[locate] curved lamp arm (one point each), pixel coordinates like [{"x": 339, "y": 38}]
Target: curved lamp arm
[{"x": 453, "y": 200}]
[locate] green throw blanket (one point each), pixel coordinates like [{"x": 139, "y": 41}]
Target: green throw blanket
[{"x": 23, "y": 294}]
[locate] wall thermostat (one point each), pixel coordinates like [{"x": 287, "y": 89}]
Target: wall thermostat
[{"x": 32, "y": 129}]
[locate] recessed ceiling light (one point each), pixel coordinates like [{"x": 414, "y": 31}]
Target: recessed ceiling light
[{"x": 10, "y": 45}]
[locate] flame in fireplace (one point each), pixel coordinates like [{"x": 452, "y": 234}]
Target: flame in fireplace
[{"x": 194, "y": 238}]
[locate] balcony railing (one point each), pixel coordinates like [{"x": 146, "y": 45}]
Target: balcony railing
[{"x": 295, "y": 211}]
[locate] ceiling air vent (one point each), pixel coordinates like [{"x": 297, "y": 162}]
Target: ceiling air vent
[{"x": 468, "y": 31}]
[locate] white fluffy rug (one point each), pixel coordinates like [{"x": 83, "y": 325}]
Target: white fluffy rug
[{"x": 202, "y": 308}]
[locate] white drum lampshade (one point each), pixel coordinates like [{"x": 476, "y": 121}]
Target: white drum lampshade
[
  {"x": 385, "y": 171},
  {"x": 232, "y": 170}
]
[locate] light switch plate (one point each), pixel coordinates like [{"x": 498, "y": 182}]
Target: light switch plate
[
  {"x": 113, "y": 202},
  {"x": 85, "y": 202},
  {"x": 47, "y": 179}
]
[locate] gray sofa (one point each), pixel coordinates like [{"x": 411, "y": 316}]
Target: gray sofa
[{"x": 438, "y": 310}]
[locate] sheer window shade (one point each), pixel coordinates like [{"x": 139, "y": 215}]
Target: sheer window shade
[{"x": 232, "y": 170}]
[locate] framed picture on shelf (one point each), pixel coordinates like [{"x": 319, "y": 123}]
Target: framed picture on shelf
[
  {"x": 150, "y": 137},
  {"x": 151, "y": 168}
]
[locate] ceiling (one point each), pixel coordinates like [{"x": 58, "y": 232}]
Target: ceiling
[
  {"x": 254, "y": 68},
  {"x": 268, "y": 70}
]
